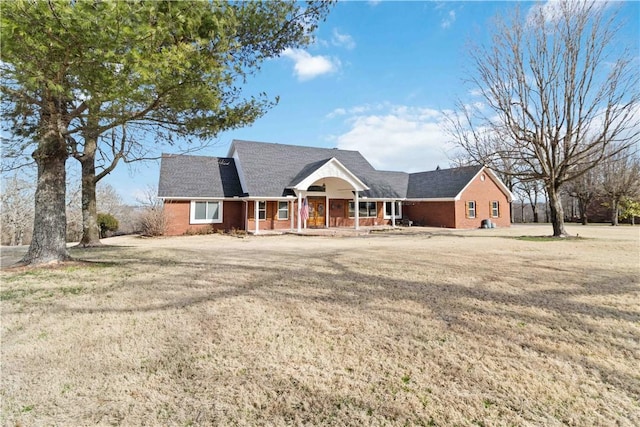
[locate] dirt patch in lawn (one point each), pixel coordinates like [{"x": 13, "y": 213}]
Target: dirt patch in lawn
[{"x": 434, "y": 327}]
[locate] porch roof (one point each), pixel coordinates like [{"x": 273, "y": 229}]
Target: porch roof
[{"x": 323, "y": 169}]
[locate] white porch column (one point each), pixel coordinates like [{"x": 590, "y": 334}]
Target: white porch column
[
  {"x": 246, "y": 216},
  {"x": 256, "y": 215},
  {"x": 299, "y": 207},
  {"x": 393, "y": 213},
  {"x": 290, "y": 205},
  {"x": 356, "y": 206},
  {"x": 326, "y": 212}
]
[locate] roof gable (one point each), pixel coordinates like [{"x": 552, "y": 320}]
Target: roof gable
[
  {"x": 496, "y": 179},
  {"x": 325, "y": 169}
]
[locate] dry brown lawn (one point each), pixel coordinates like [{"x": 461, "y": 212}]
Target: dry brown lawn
[{"x": 420, "y": 327}]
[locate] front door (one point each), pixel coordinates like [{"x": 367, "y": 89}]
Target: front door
[{"x": 316, "y": 213}]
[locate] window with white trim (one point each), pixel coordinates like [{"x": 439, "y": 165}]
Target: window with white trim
[
  {"x": 366, "y": 210},
  {"x": 471, "y": 209},
  {"x": 283, "y": 210},
  {"x": 495, "y": 209},
  {"x": 387, "y": 210},
  {"x": 262, "y": 210},
  {"x": 205, "y": 212}
]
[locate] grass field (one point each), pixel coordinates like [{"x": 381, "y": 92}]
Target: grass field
[{"x": 419, "y": 327}]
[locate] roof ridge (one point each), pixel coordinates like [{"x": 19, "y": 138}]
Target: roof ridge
[
  {"x": 198, "y": 156},
  {"x": 310, "y": 147},
  {"x": 457, "y": 168}
]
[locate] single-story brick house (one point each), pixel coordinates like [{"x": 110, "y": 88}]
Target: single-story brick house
[{"x": 264, "y": 186}]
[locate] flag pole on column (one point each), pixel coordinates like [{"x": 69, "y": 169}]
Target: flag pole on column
[{"x": 304, "y": 211}]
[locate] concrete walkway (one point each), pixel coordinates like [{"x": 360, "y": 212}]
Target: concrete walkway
[{"x": 336, "y": 231}]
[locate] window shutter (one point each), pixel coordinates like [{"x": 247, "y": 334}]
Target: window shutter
[{"x": 466, "y": 209}]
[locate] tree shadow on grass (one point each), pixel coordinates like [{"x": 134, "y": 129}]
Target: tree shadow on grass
[{"x": 285, "y": 281}]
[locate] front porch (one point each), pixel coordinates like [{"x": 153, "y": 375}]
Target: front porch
[
  {"x": 323, "y": 214},
  {"x": 332, "y": 232},
  {"x": 324, "y": 195}
]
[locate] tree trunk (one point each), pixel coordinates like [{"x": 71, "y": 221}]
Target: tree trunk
[
  {"x": 582, "y": 206},
  {"x": 534, "y": 209},
  {"x": 615, "y": 206},
  {"x": 556, "y": 213},
  {"x": 533, "y": 199},
  {"x": 50, "y": 221},
  {"x": 90, "y": 227}
]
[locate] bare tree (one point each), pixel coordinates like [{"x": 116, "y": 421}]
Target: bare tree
[
  {"x": 152, "y": 219},
  {"x": 620, "y": 180},
  {"x": 16, "y": 201},
  {"x": 109, "y": 201},
  {"x": 73, "y": 212},
  {"x": 559, "y": 89},
  {"x": 585, "y": 190},
  {"x": 531, "y": 191}
]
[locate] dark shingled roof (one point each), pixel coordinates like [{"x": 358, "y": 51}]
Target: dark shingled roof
[
  {"x": 308, "y": 170},
  {"x": 198, "y": 176},
  {"x": 268, "y": 169},
  {"x": 442, "y": 183},
  {"x": 385, "y": 184}
]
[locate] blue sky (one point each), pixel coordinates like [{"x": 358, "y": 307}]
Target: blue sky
[{"x": 375, "y": 80}]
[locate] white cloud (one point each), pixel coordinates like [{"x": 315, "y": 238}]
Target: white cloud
[
  {"x": 397, "y": 138},
  {"x": 342, "y": 40},
  {"x": 307, "y": 66},
  {"x": 337, "y": 112},
  {"x": 356, "y": 110},
  {"x": 448, "y": 20},
  {"x": 554, "y": 10}
]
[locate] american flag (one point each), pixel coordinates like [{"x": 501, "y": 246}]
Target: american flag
[{"x": 304, "y": 210}]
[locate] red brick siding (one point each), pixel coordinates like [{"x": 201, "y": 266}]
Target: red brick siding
[
  {"x": 454, "y": 214},
  {"x": 483, "y": 193},
  {"x": 430, "y": 214},
  {"x": 339, "y": 215},
  {"x": 271, "y": 222},
  {"x": 178, "y": 215},
  {"x": 233, "y": 216}
]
